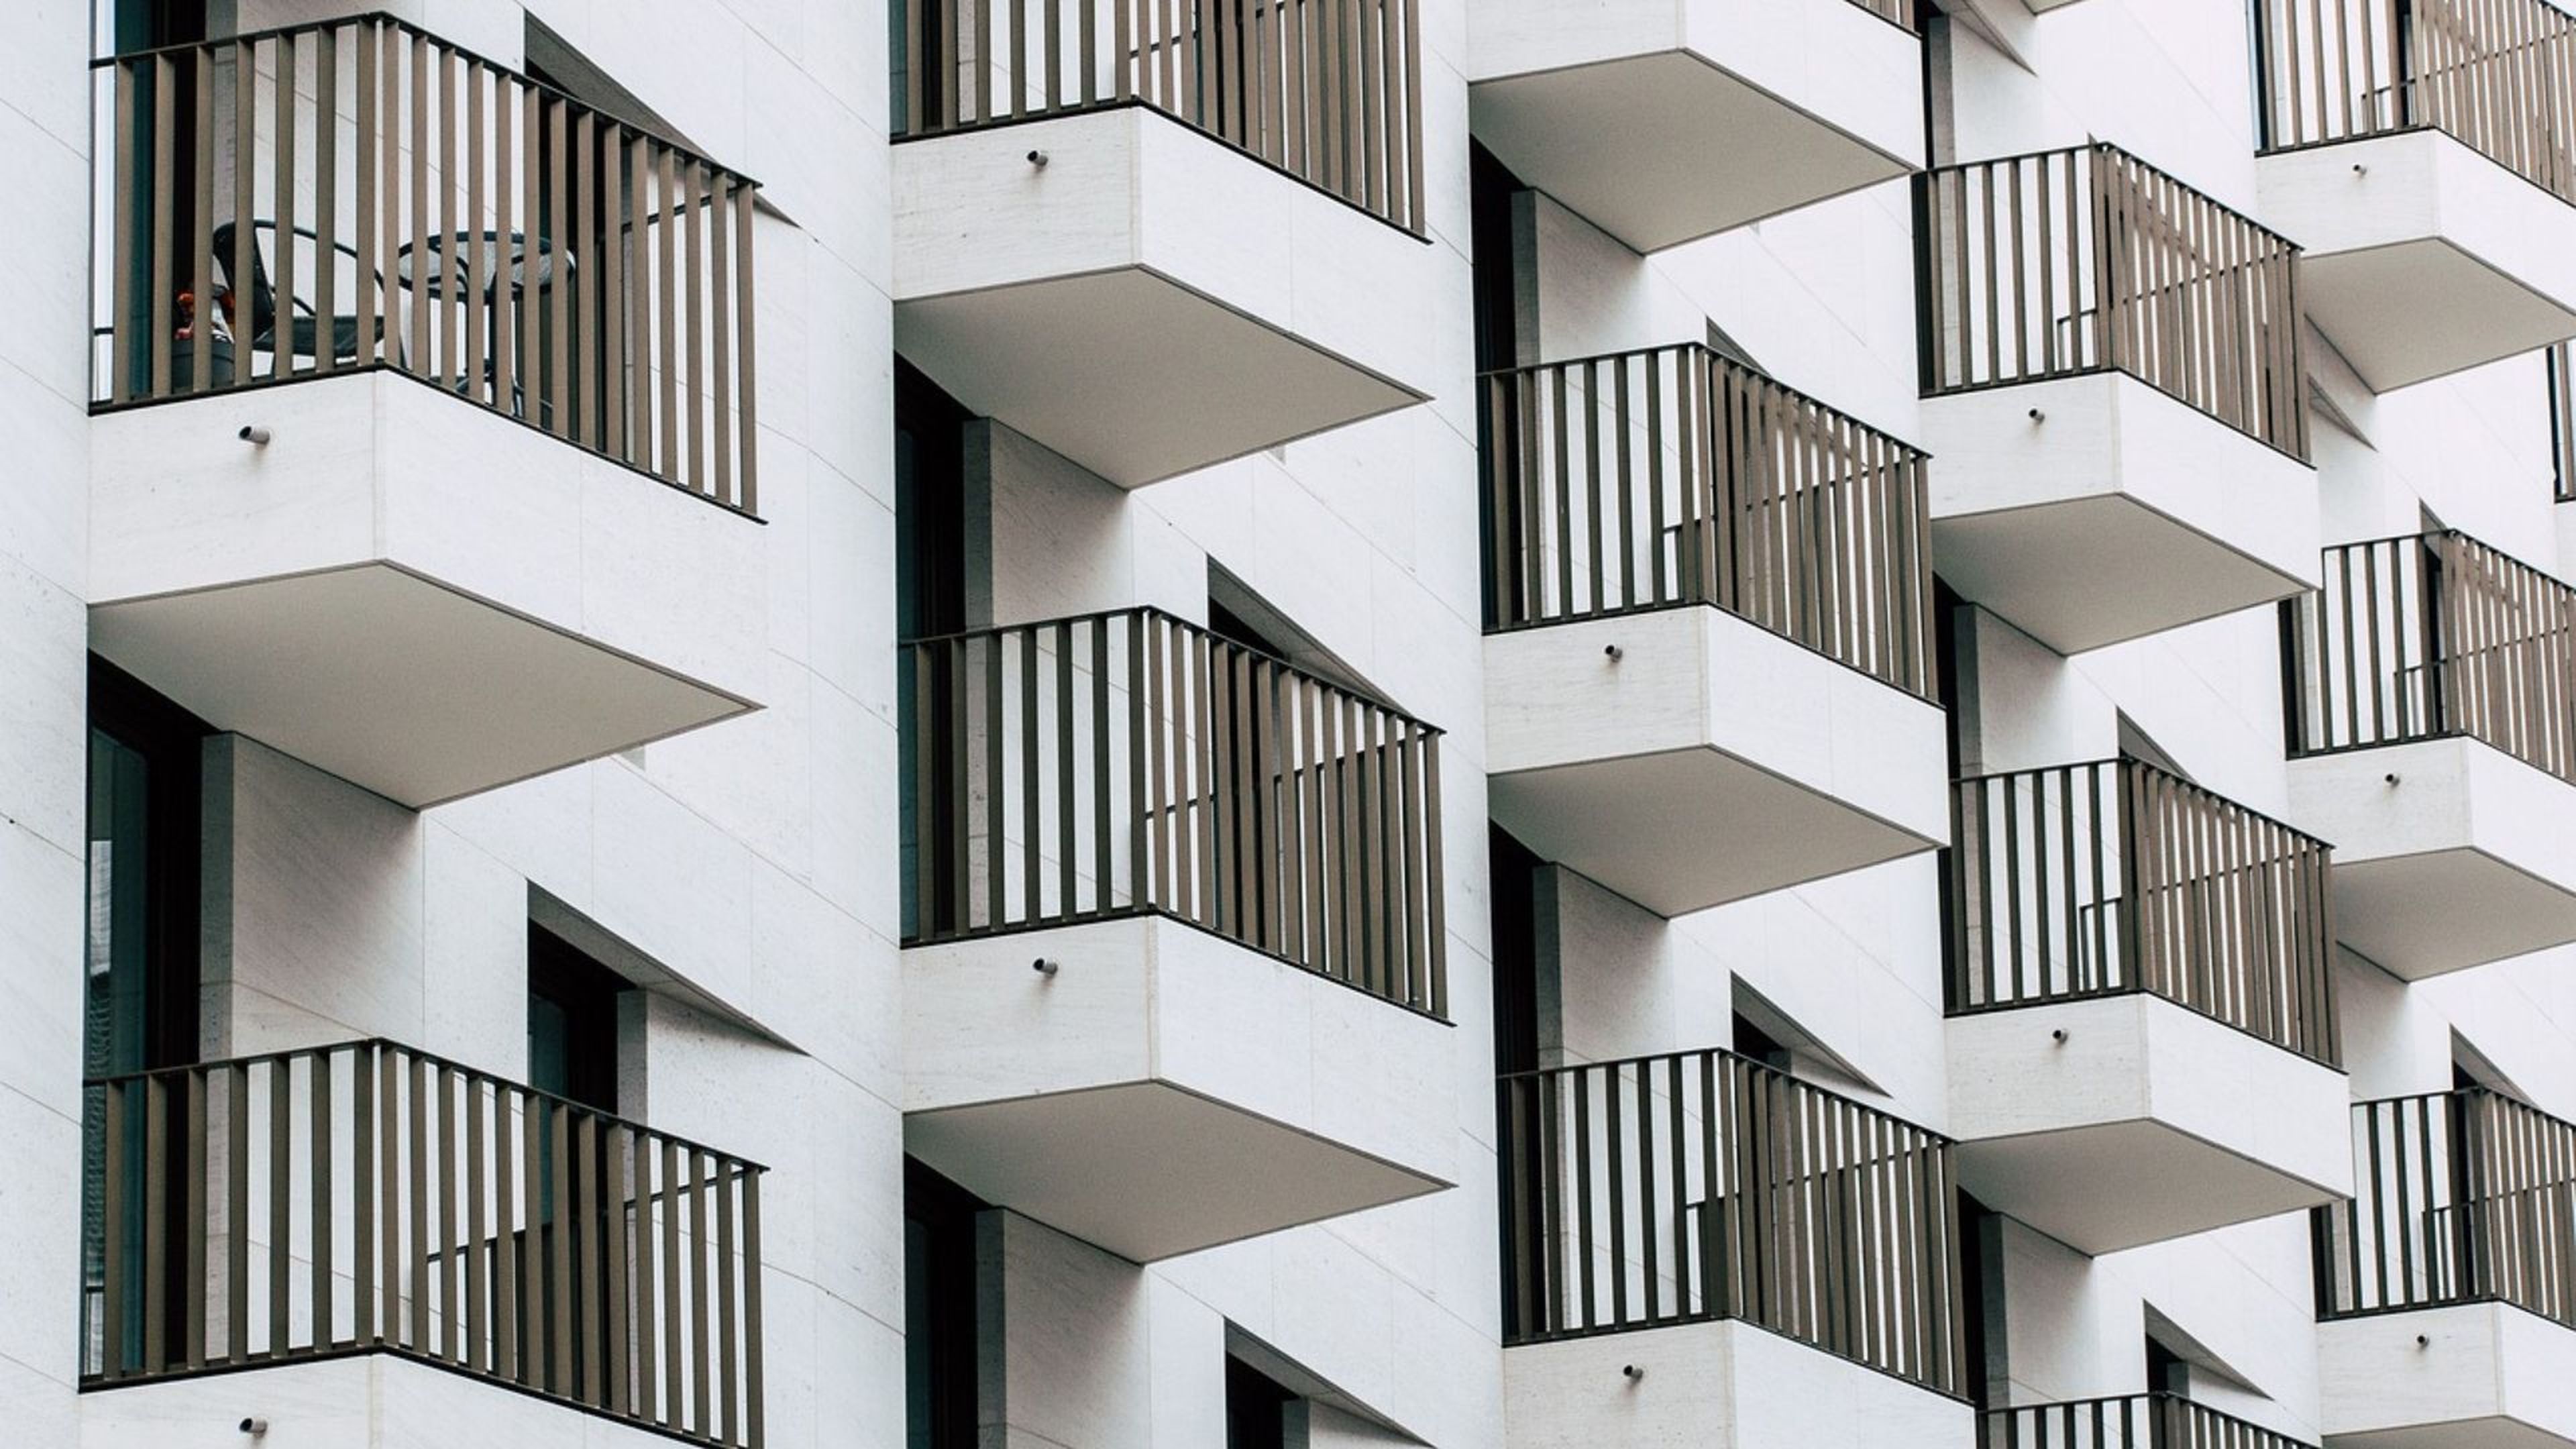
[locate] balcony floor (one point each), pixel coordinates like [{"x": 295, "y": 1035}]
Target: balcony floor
[
  {"x": 411, "y": 591},
  {"x": 1166, "y": 1089},
  {"x": 2467, "y": 856},
  {"x": 1714, "y": 760}
]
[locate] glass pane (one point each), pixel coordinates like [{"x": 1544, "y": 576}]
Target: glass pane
[{"x": 117, "y": 1012}]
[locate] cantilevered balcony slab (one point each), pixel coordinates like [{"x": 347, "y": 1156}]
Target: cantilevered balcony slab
[
  {"x": 1685, "y": 757},
  {"x": 2095, "y": 509},
  {"x": 2423, "y": 257},
  {"x": 411, "y": 591},
  {"x": 2465, "y": 1376},
  {"x": 2129, "y": 1119},
  {"x": 1149, "y": 300},
  {"x": 1665, "y": 120},
  {"x": 2449, "y": 853},
  {"x": 1718, "y": 1385},
  {"x": 1165, "y": 1089}
]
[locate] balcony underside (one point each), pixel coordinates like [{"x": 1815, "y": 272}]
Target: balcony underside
[
  {"x": 2119, "y": 1185},
  {"x": 2486, "y": 1376},
  {"x": 2422, "y": 256},
  {"x": 1166, "y": 1090},
  {"x": 2120, "y": 512},
  {"x": 1712, "y": 760},
  {"x": 2465, "y": 856},
  {"x": 2144, "y": 1122},
  {"x": 1585, "y": 134},
  {"x": 1718, "y": 1385},
  {"x": 2412, "y": 311},
  {"x": 1133, "y": 375},
  {"x": 2446, "y": 910},
  {"x": 1149, "y": 300},
  {"x": 1674, "y": 832},
  {"x": 409, "y": 591}
]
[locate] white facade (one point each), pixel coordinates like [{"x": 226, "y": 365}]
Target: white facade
[{"x": 1862, "y": 1085}]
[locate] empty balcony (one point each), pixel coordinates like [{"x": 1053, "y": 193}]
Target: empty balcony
[
  {"x": 2432, "y": 739},
  {"x": 2446, "y": 1294},
  {"x": 1146, "y": 259},
  {"x": 2155, "y": 1420},
  {"x": 275, "y": 1213},
  {"x": 2112, "y": 382},
  {"x": 1699, "y": 1249},
  {"x": 2425, "y": 156},
  {"x": 2141, "y": 1032},
  {"x": 1666, "y": 120},
  {"x": 1707, "y": 605},
  {"x": 1174, "y": 966},
  {"x": 424, "y": 434}
]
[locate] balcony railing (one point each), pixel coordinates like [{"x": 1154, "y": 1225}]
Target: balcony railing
[
  {"x": 354, "y": 194},
  {"x": 1644, "y": 480},
  {"x": 2132, "y": 1421},
  {"x": 1130, "y": 763},
  {"x": 2089, "y": 260},
  {"x": 1328, "y": 91},
  {"x": 2498, "y": 75},
  {"x": 1895, "y": 12},
  {"x": 2099, "y": 879},
  {"x": 2458, "y": 1197},
  {"x": 1698, "y": 1186},
  {"x": 365, "y": 1197},
  {"x": 2429, "y": 637}
]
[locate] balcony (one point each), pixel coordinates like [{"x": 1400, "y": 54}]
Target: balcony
[
  {"x": 1226, "y": 874},
  {"x": 1707, "y": 601},
  {"x": 1182, "y": 237},
  {"x": 1701, "y": 1250},
  {"x": 2432, "y": 739},
  {"x": 2112, "y": 382},
  {"x": 2156, "y": 1420},
  {"x": 2424, "y": 152},
  {"x": 354, "y": 495},
  {"x": 2142, "y": 1036},
  {"x": 1612, "y": 108},
  {"x": 2446, "y": 1298},
  {"x": 277, "y": 1212}
]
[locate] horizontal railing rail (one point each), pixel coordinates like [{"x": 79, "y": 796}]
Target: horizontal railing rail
[
  {"x": 2088, "y": 260},
  {"x": 2156, "y": 1420},
  {"x": 1674, "y": 475},
  {"x": 2458, "y": 1197},
  {"x": 366, "y": 1197},
  {"x": 2499, "y": 75},
  {"x": 1698, "y": 1186},
  {"x": 1329, "y": 91},
  {"x": 2115, "y": 876},
  {"x": 2431, "y": 636},
  {"x": 1130, "y": 762},
  {"x": 357, "y": 194}
]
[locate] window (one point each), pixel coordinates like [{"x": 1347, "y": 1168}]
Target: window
[
  {"x": 1753, "y": 1042},
  {"x": 1256, "y": 1408},
  {"x": 139, "y": 958},
  {"x": 939, "y": 1300},
  {"x": 1514, "y": 898},
  {"x": 930, "y": 600},
  {"x": 572, "y": 1022}
]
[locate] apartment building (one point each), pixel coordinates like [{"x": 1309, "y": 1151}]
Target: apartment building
[{"x": 1121, "y": 725}]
